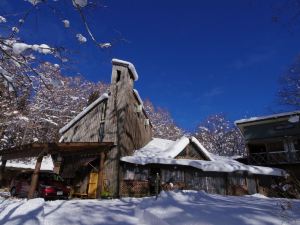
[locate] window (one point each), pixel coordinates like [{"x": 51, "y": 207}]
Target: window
[
  {"x": 257, "y": 148},
  {"x": 276, "y": 147},
  {"x": 136, "y": 173},
  {"x": 118, "y": 76},
  {"x": 169, "y": 175}
]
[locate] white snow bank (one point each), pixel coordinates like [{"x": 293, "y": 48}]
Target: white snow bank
[
  {"x": 16, "y": 212},
  {"x": 83, "y": 113},
  {"x": 174, "y": 208},
  {"x": 47, "y": 163},
  {"x": 257, "y": 195},
  {"x": 129, "y": 65},
  {"x": 198, "y": 208}
]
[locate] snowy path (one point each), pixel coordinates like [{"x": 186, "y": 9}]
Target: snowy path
[{"x": 171, "y": 208}]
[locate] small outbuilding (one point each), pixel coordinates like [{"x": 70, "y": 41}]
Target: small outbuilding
[
  {"x": 186, "y": 164},
  {"x": 273, "y": 140}
]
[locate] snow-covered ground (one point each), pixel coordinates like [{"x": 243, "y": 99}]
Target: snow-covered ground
[{"x": 176, "y": 208}]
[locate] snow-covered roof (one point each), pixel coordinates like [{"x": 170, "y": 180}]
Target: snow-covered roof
[
  {"x": 138, "y": 96},
  {"x": 163, "y": 151},
  {"x": 83, "y": 113},
  {"x": 273, "y": 116},
  {"x": 220, "y": 165},
  {"x": 163, "y": 148},
  {"x": 129, "y": 65},
  {"x": 47, "y": 163}
]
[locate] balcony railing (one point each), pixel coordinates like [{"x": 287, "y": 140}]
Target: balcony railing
[{"x": 278, "y": 157}]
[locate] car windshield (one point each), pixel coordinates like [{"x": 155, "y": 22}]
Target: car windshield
[
  {"x": 50, "y": 177},
  {"x": 56, "y": 177}
]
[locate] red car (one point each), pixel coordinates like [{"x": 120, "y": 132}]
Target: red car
[{"x": 50, "y": 186}]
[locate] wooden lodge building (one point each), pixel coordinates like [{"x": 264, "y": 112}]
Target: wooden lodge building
[
  {"x": 273, "y": 140},
  {"x": 108, "y": 150}
]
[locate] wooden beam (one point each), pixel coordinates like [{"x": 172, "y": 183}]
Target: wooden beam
[
  {"x": 35, "y": 177},
  {"x": 100, "y": 175},
  {"x": 35, "y": 149},
  {"x": 2, "y": 171}
]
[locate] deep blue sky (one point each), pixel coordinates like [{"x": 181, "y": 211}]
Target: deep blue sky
[{"x": 194, "y": 58}]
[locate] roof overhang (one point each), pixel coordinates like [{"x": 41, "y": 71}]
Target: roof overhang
[
  {"x": 64, "y": 149},
  {"x": 269, "y": 119},
  {"x": 264, "y": 119}
]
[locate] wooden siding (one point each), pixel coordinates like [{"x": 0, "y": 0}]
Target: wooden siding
[
  {"x": 123, "y": 126},
  {"x": 191, "y": 152},
  {"x": 87, "y": 129},
  {"x": 136, "y": 133},
  {"x": 186, "y": 178}
]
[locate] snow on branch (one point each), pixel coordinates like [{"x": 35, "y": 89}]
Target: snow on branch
[
  {"x": 66, "y": 23},
  {"x": 81, "y": 38},
  {"x": 19, "y": 48},
  {"x": 80, "y": 3},
  {"x": 2, "y": 19}
]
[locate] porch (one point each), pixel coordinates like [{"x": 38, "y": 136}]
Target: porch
[
  {"x": 57, "y": 152},
  {"x": 274, "y": 158}
]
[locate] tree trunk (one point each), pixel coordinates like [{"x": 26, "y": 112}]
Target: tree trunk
[{"x": 2, "y": 171}]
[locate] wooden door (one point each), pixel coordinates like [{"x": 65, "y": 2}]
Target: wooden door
[{"x": 93, "y": 182}]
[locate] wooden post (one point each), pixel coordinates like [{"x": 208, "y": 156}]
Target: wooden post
[
  {"x": 35, "y": 177},
  {"x": 257, "y": 184},
  {"x": 2, "y": 171},
  {"x": 100, "y": 175},
  {"x": 226, "y": 184}
]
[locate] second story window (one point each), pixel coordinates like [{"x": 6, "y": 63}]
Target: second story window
[{"x": 118, "y": 76}]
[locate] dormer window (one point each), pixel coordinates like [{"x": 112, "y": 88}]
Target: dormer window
[{"x": 139, "y": 108}]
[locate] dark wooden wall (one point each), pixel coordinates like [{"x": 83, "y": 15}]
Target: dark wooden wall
[{"x": 191, "y": 152}]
